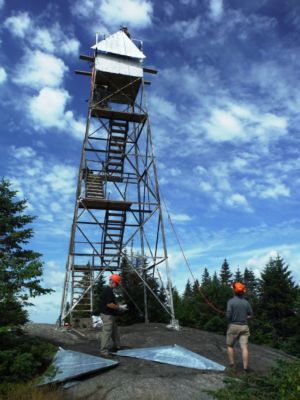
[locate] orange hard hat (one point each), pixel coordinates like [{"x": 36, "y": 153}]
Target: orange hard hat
[
  {"x": 239, "y": 288},
  {"x": 115, "y": 278}
]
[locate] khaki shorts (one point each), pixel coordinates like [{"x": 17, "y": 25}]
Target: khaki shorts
[{"x": 237, "y": 332}]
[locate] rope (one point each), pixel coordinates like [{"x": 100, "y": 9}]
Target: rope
[{"x": 210, "y": 304}]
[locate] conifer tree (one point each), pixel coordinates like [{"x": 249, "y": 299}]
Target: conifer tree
[
  {"x": 251, "y": 283},
  {"x": 238, "y": 276},
  {"x": 277, "y": 300},
  {"x": 205, "y": 281},
  {"x": 20, "y": 268},
  {"x": 225, "y": 274}
]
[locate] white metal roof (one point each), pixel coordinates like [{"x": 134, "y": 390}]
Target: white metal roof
[{"x": 119, "y": 43}]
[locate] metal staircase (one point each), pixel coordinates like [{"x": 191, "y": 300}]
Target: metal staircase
[
  {"x": 112, "y": 239},
  {"x": 114, "y": 166}
]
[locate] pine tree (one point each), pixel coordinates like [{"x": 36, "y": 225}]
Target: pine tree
[
  {"x": 20, "y": 268},
  {"x": 205, "y": 281},
  {"x": 251, "y": 283},
  {"x": 225, "y": 274},
  {"x": 277, "y": 300},
  {"x": 238, "y": 276}
]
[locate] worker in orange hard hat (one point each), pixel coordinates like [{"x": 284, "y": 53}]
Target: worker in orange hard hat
[
  {"x": 238, "y": 312},
  {"x": 108, "y": 311}
]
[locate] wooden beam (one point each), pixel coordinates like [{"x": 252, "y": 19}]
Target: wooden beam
[
  {"x": 150, "y": 70},
  {"x": 83, "y": 72},
  {"x": 86, "y": 58}
]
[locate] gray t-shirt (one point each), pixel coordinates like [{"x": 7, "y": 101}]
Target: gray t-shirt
[{"x": 238, "y": 309}]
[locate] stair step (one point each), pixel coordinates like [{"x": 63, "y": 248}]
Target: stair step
[
  {"x": 116, "y": 130},
  {"x": 116, "y": 151},
  {"x": 114, "y": 123},
  {"x": 117, "y": 138},
  {"x": 115, "y": 164}
]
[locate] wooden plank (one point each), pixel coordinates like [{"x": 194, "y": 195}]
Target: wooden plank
[
  {"x": 78, "y": 72},
  {"x": 150, "y": 70},
  {"x": 86, "y": 58},
  {"x": 119, "y": 115},
  {"x": 104, "y": 204}
]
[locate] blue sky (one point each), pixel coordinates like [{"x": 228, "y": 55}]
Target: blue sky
[{"x": 224, "y": 110}]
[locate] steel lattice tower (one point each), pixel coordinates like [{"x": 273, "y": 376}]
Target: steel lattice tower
[{"x": 117, "y": 199}]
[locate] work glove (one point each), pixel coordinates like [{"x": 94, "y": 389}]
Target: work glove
[{"x": 123, "y": 307}]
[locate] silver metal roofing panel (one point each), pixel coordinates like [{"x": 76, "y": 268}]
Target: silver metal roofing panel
[
  {"x": 69, "y": 364},
  {"x": 114, "y": 65},
  {"x": 174, "y": 355},
  {"x": 119, "y": 43}
]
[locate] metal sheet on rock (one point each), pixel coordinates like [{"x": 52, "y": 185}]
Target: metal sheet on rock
[
  {"x": 174, "y": 355},
  {"x": 69, "y": 364}
]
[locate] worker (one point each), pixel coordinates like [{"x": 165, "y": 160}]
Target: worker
[
  {"x": 238, "y": 312},
  {"x": 108, "y": 311}
]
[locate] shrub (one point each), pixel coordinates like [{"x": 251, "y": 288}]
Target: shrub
[
  {"x": 29, "y": 392},
  {"x": 280, "y": 383}
]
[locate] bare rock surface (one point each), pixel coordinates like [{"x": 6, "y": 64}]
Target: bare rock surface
[{"x": 135, "y": 379}]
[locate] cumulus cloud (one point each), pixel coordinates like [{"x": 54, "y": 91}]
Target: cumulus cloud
[
  {"x": 267, "y": 186},
  {"x": 186, "y": 29},
  {"x": 163, "y": 108},
  {"x": 242, "y": 123},
  {"x": 180, "y": 217},
  {"x": 134, "y": 13},
  {"x": 137, "y": 13},
  {"x": 23, "y": 152},
  {"x": 38, "y": 69},
  {"x": 48, "y": 110},
  {"x": 237, "y": 200},
  {"x": 53, "y": 40},
  {"x": 216, "y": 9},
  {"x": 50, "y": 39},
  {"x": 18, "y": 24},
  {"x": 47, "y": 184},
  {"x": 3, "y": 75}
]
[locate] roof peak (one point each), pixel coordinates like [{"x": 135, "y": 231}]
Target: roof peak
[{"x": 119, "y": 43}]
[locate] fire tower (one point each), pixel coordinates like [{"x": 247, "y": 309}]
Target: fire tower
[{"x": 117, "y": 198}]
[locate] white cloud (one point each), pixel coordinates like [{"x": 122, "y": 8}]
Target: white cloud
[
  {"x": 137, "y": 13},
  {"x": 180, "y": 217},
  {"x": 162, "y": 107},
  {"x": 49, "y": 187},
  {"x": 241, "y": 123},
  {"x": 112, "y": 13},
  {"x": 2, "y": 3},
  {"x": 174, "y": 171},
  {"x": 23, "y": 152},
  {"x": 53, "y": 40},
  {"x": 223, "y": 126},
  {"x": 186, "y": 29},
  {"x": 18, "y": 24},
  {"x": 38, "y": 69},
  {"x": 3, "y": 75},
  {"x": 267, "y": 186},
  {"x": 237, "y": 200},
  {"x": 216, "y": 9},
  {"x": 47, "y": 108}
]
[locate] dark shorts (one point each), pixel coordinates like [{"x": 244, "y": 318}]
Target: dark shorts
[{"x": 236, "y": 333}]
